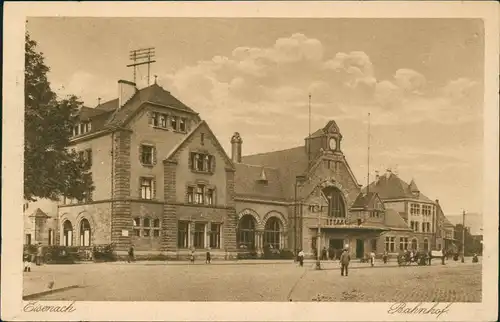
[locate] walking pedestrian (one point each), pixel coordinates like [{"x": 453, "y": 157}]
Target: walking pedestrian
[
  {"x": 208, "y": 259},
  {"x": 429, "y": 259},
  {"x": 131, "y": 254},
  {"x": 372, "y": 258},
  {"x": 385, "y": 256},
  {"x": 39, "y": 254},
  {"x": 191, "y": 258},
  {"x": 301, "y": 257},
  {"x": 345, "y": 258}
]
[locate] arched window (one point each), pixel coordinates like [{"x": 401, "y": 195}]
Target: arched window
[
  {"x": 336, "y": 207},
  {"x": 67, "y": 233},
  {"x": 85, "y": 232},
  {"x": 246, "y": 232},
  {"x": 426, "y": 245},
  {"x": 414, "y": 244},
  {"x": 272, "y": 233}
]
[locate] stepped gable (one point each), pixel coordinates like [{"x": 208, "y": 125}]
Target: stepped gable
[
  {"x": 390, "y": 186},
  {"x": 286, "y": 163}
]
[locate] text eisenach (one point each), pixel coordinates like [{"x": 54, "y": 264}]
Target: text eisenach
[{"x": 36, "y": 306}]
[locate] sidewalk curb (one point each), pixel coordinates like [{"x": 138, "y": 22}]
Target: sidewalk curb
[{"x": 35, "y": 295}]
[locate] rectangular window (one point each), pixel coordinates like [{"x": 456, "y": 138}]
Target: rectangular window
[
  {"x": 215, "y": 236},
  {"x": 199, "y": 235},
  {"x": 201, "y": 162},
  {"x": 154, "y": 118},
  {"x": 156, "y": 233},
  {"x": 210, "y": 197},
  {"x": 190, "y": 194},
  {"x": 147, "y": 232},
  {"x": 173, "y": 122},
  {"x": 429, "y": 227},
  {"x": 199, "y": 194},
  {"x": 389, "y": 244},
  {"x": 147, "y": 154},
  {"x": 182, "y": 124},
  {"x": 163, "y": 120},
  {"x": 88, "y": 157},
  {"x": 403, "y": 243},
  {"x": 146, "y": 188},
  {"x": 182, "y": 234}
]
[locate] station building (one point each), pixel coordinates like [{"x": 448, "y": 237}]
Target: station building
[{"x": 164, "y": 184}]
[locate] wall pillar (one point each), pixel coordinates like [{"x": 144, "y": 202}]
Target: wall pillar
[
  {"x": 231, "y": 220},
  {"x": 121, "y": 218},
  {"x": 169, "y": 220}
]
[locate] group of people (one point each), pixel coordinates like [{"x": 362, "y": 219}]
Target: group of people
[
  {"x": 344, "y": 260},
  {"x": 29, "y": 257}
]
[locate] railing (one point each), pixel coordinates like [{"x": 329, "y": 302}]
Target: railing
[{"x": 335, "y": 221}]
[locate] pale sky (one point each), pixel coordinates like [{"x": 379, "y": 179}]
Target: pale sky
[{"x": 421, "y": 80}]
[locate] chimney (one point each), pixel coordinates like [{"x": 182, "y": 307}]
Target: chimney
[
  {"x": 126, "y": 90},
  {"x": 437, "y": 201},
  {"x": 388, "y": 173},
  {"x": 236, "y": 143},
  {"x": 377, "y": 176}
]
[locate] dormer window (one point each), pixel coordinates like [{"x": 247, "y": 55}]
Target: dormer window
[{"x": 82, "y": 128}]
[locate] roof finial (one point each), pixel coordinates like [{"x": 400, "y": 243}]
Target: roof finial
[
  {"x": 156, "y": 76},
  {"x": 98, "y": 101}
]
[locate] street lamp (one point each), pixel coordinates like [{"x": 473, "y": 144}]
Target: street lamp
[
  {"x": 298, "y": 180},
  {"x": 318, "y": 239}
]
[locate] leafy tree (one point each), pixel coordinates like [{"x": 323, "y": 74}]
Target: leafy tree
[
  {"x": 51, "y": 168},
  {"x": 472, "y": 244}
]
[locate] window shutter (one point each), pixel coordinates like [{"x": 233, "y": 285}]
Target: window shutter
[
  {"x": 153, "y": 188},
  {"x": 140, "y": 153},
  {"x": 212, "y": 164},
  {"x": 140, "y": 188},
  {"x": 154, "y": 155}
]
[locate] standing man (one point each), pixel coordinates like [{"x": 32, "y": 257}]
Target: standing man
[
  {"x": 131, "y": 254},
  {"x": 301, "y": 257},
  {"x": 345, "y": 258},
  {"x": 208, "y": 259},
  {"x": 384, "y": 257},
  {"x": 372, "y": 258}
]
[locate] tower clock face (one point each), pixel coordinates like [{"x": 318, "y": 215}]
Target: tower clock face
[{"x": 333, "y": 144}]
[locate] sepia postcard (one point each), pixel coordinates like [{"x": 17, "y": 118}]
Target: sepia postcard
[{"x": 250, "y": 161}]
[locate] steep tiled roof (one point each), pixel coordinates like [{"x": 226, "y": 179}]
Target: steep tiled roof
[
  {"x": 393, "y": 220},
  {"x": 392, "y": 187},
  {"x": 288, "y": 164},
  {"x": 108, "y": 116},
  {"x": 38, "y": 213},
  {"x": 248, "y": 182},
  {"x": 364, "y": 200}
]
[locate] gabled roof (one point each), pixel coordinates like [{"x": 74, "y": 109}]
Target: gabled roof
[
  {"x": 365, "y": 200},
  {"x": 390, "y": 186},
  {"x": 393, "y": 220},
  {"x": 288, "y": 163},
  {"x": 248, "y": 182},
  {"x": 38, "y": 213}
]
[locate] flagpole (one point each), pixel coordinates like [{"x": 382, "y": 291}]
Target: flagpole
[
  {"x": 368, "y": 171},
  {"x": 309, "y": 145}
]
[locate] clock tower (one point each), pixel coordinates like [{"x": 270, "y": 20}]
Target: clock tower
[{"x": 326, "y": 139}]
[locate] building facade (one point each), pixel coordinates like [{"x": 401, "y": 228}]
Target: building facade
[{"x": 164, "y": 185}]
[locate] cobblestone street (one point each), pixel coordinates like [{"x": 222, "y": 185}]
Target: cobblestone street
[{"x": 269, "y": 282}]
